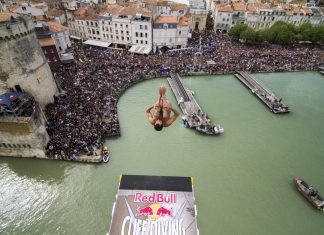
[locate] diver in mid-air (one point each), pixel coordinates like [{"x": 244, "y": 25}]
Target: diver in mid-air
[{"x": 162, "y": 110}]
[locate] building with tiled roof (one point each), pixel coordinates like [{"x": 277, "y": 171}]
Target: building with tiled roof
[
  {"x": 170, "y": 32},
  {"x": 6, "y": 16},
  {"x": 258, "y": 15},
  {"x": 29, "y": 9},
  {"x": 54, "y": 40},
  {"x": 57, "y": 15},
  {"x": 165, "y": 8},
  {"x": 69, "y": 4},
  {"x": 45, "y": 42},
  {"x": 167, "y": 20}
]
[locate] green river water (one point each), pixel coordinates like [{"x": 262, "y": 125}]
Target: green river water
[{"x": 243, "y": 177}]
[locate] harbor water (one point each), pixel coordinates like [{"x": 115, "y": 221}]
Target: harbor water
[{"x": 244, "y": 177}]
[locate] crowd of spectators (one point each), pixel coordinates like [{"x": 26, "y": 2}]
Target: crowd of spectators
[{"x": 85, "y": 112}]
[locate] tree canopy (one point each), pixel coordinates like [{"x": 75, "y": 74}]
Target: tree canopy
[{"x": 280, "y": 33}]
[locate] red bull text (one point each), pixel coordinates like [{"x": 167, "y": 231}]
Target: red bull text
[{"x": 155, "y": 198}]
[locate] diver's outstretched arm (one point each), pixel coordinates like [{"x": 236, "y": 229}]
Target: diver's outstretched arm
[{"x": 149, "y": 115}]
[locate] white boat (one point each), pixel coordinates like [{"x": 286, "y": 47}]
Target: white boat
[{"x": 210, "y": 129}]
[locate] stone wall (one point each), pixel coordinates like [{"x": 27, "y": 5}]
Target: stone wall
[
  {"x": 22, "y": 61},
  {"x": 23, "y": 136}
]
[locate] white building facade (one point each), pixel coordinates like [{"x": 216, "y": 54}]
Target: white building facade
[
  {"x": 262, "y": 16},
  {"x": 170, "y": 32}
]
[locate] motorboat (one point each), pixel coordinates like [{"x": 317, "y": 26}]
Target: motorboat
[
  {"x": 105, "y": 155},
  {"x": 310, "y": 193},
  {"x": 210, "y": 129}
]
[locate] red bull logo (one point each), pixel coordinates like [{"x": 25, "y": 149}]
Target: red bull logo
[
  {"x": 147, "y": 210},
  {"x": 154, "y": 211},
  {"x": 162, "y": 211}
]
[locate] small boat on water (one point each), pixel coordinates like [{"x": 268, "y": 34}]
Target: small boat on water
[
  {"x": 210, "y": 129},
  {"x": 105, "y": 155},
  {"x": 310, "y": 193},
  {"x": 322, "y": 72}
]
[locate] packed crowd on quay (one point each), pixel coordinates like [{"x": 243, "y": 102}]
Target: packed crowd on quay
[{"x": 85, "y": 112}]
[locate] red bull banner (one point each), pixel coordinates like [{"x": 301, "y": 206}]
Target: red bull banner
[{"x": 153, "y": 212}]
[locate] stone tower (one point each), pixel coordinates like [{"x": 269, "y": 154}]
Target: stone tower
[
  {"x": 22, "y": 126},
  {"x": 23, "y": 65}
]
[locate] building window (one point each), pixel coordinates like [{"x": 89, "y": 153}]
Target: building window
[
  {"x": 116, "y": 25},
  {"x": 145, "y": 42},
  {"x": 122, "y": 38},
  {"x": 136, "y": 41},
  {"x": 146, "y": 27},
  {"x": 141, "y": 41},
  {"x": 146, "y": 35},
  {"x": 127, "y": 38},
  {"x": 179, "y": 32},
  {"x": 127, "y": 26},
  {"x": 136, "y": 34},
  {"x": 121, "y": 25},
  {"x": 141, "y": 35},
  {"x": 141, "y": 26}
]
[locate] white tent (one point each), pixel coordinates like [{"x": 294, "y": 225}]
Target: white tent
[
  {"x": 75, "y": 37},
  {"x": 97, "y": 43},
  {"x": 139, "y": 49}
]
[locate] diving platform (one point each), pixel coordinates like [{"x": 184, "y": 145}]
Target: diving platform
[
  {"x": 264, "y": 94},
  {"x": 154, "y": 205},
  {"x": 194, "y": 116}
]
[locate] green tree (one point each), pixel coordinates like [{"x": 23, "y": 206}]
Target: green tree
[
  {"x": 263, "y": 35},
  {"x": 236, "y": 31},
  {"x": 306, "y": 30},
  {"x": 282, "y": 33},
  {"x": 317, "y": 34},
  {"x": 284, "y": 37},
  {"x": 248, "y": 35}
]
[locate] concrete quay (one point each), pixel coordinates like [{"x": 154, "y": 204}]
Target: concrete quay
[{"x": 264, "y": 94}]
